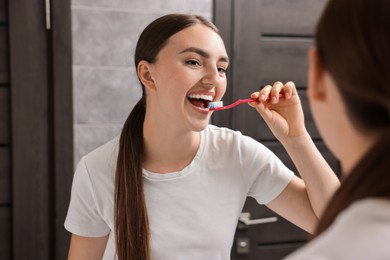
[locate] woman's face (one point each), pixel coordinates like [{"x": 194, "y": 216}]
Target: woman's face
[{"x": 189, "y": 72}]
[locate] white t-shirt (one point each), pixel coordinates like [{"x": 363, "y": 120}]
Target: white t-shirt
[
  {"x": 361, "y": 232},
  {"x": 193, "y": 213}
]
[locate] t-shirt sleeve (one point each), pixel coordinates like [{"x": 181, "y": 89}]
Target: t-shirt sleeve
[
  {"x": 84, "y": 217},
  {"x": 267, "y": 175},
  {"x": 271, "y": 180}
]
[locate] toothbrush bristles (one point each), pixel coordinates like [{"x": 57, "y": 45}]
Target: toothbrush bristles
[{"x": 215, "y": 104}]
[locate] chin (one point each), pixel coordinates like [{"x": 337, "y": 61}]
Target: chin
[
  {"x": 198, "y": 127},
  {"x": 333, "y": 143}
]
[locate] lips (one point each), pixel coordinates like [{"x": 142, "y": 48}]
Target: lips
[{"x": 200, "y": 100}]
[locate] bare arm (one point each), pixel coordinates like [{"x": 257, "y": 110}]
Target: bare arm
[
  {"x": 320, "y": 180},
  {"x": 87, "y": 248},
  {"x": 286, "y": 121},
  {"x": 294, "y": 205},
  {"x": 304, "y": 200}
]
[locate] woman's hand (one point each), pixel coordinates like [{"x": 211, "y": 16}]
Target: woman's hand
[{"x": 283, "y": 115}]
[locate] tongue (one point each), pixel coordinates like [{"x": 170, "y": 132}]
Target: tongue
[{"x": 198, "y": 102}]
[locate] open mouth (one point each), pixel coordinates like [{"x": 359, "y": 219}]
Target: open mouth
[{"x": 201, "y": 101}]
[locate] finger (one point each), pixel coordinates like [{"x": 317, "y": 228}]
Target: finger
[
  {"x": 264, "y": 93},
  {"x": 277, "y": 87},
  {"x": 254, "y": 95},
  {"x": 289, "y": 89}
]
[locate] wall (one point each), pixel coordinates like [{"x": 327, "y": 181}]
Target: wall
[{"x": 105, "y": 86}]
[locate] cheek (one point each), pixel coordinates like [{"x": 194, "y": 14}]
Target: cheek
[
  {"x": 181, "y": 79},
  {"x": 220, "y": 90}
]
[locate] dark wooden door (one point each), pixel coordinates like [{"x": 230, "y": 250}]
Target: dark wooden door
[
  {"x": 5, "y": 161},
  {"x": 36, "y": 133},
  {"x": 267, "y": 41}
]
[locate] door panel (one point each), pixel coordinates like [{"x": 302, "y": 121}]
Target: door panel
[
  {"x": 286, "y": 17},
  {"x": 40, "y": 115},
  {"x": 4, "y": 116},
  {"x": 5, "y": 182},
  {"x": 5, "y": 170},
  {"x": 5, "y": 233},
  {"x": 284, "y": 59},
  {"x": 267, "y": 41},
  {"x": 3, "y": 55},
  {"x": 5, "y": 200}
]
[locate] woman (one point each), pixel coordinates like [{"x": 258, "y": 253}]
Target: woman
[
  {"x": 349, "y": 93},
  {"x": 173, "y": 186}
]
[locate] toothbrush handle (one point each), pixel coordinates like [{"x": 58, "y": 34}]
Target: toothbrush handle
[{"x": 240, "y": 101}]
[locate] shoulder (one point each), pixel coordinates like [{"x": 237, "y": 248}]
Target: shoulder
[
  {"x": 220, "y": 131},
  {"x": 100, "y": 164},
  {"x": 361, "y": 231},
  {"x": 103, "y": 156},
  {"x": 226, "y": 134},
  {"x": 233, "y": 140},
  {"x": 371, "y": 214},
  {"x": 366, "y": 214}
]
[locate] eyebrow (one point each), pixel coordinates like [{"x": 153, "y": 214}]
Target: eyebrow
[{"x": 203, "y": 53}]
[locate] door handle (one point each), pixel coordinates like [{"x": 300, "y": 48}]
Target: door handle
[{"x": 245, "y": 217}]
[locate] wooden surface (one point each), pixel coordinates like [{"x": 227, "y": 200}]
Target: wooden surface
[
  {"x": 290, "y": 18},
  {"x": 5, "y": 160},
  {"x": 3, "y": 54},
  {"x": 30, "y": 131},
  {"x": 42, "y": 129},
  {"x": 269, "y": 41},
  {"x": 63, "y": 122},
  {"x": 5, "y": 178},
  {"x": 4, "y": 116},
  {"x": 5, "y": 233},
  {"x": 3, "y": 11}
]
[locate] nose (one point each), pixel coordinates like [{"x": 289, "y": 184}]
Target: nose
[{"x": 211, "y": 77}]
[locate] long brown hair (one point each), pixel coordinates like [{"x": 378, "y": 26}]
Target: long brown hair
[
  {"x": 131, "y": 218},
  {"x": 353, "y": 42}
]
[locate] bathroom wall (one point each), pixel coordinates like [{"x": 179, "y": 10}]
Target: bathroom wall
[{"x": 105, "y": 86}]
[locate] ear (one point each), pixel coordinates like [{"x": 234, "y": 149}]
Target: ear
[
  {"x": 144, "y": 71},
  {"x": 316, "y": 89}
]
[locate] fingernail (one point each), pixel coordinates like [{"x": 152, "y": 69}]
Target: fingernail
[
  {"x": 273, "y": 101},
  {"x": 262, "y": 97}
]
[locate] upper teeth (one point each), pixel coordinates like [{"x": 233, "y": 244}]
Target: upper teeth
[{"x": 199, "y": 96}]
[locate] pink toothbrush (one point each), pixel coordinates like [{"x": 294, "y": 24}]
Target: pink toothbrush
[{"x": 218, "y": 105}]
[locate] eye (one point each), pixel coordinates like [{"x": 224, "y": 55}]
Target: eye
[
  {"x": 221, "y": 70},
  {"x": 193, "y": 63}
]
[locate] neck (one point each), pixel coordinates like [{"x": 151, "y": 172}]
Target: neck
[
  {"x": 167, "y": 149},
  {"x": 357, "y": 145}
]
